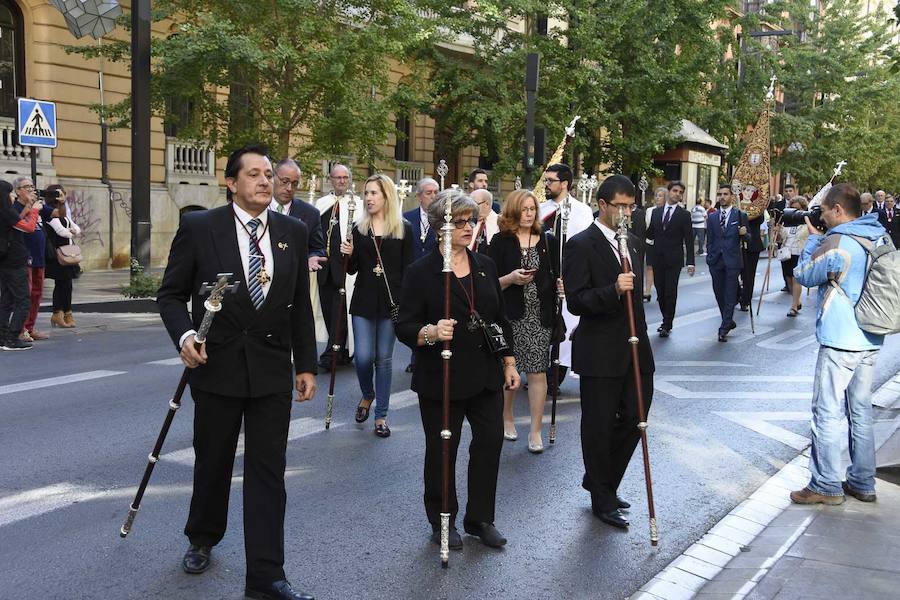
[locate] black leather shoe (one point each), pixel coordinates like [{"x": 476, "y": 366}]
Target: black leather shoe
[
  {"x": 362, "y": 412},
  {"x": 196, "y": 559},
  {"x": 623, "y": 504},
  {"x": 722, "y": 337},
  {"x": 487, "y": 532},
  {"x": 410, "y": 368},
  {"x": 732, "y": 326},
  {"x": 455, "y": 540},
  {"x": 664, "y": 333},
  {"x": 660, "y": 328},
  {"x": 744, "y": 308},
  {"x": 324, "y": 365},
  {"x": 382, "y": 430},
  {"x": 278, "y": 590},
  {"x": 613, "y": 517}
]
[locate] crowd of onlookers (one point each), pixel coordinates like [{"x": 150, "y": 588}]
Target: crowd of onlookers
[{"x": 36, "y": 241}]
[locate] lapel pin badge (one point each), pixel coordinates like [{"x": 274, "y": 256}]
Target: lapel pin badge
[{"x": 282, "y": 245}]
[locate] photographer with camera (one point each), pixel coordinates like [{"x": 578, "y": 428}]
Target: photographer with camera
[
  {"x": 837, "y": 263},
  {"x": 15, "y": 218},
  {"x": 60, "y": 234},
  {"x": 35, "y": 242}
]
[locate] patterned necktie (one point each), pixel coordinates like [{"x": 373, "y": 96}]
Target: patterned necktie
[
  {"x": 254, "y": 266},
  {"x": 424, "y": 227},
  {"x": 722, "y": 219},
  {"x": 667, "y": 216},
  {"x": 281, "y": 208}
]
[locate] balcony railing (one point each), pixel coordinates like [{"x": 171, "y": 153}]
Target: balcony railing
[
  {"x": 410, "y": 171},
  {"x": 189, "y": 159},
  {"x": 11, "y": 152}
]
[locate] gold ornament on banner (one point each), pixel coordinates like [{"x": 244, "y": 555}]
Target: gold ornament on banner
[{"x": 753, "y": 172}]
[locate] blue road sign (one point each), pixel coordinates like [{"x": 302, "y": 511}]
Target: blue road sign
[{"x": 37, "y": 123}]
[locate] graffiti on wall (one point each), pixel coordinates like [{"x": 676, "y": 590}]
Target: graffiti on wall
[{"x": 82, "y": 211}]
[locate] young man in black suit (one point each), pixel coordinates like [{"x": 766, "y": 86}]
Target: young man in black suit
[
  {"x": 244, "y": 372},
  {"x": 673, "y": 236},
  {"x": 285, "y": 184},
  {"x": 595, "y": 291},
  {"x": 724, "y": 229}
]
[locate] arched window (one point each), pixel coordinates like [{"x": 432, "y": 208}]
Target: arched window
[{"x": 12, "y": 58}]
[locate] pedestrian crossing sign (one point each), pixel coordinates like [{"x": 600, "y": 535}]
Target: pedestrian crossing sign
[{"x": 37, "y": 123}]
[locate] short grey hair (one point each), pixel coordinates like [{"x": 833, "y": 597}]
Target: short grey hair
[
  {"x": 18, "y": 181},
  {"x": 866, "y": 196},
  {"x": 460, "y": 202},
  {"x": 420, "y": 184},
  {"x": 287, "y": 162}
]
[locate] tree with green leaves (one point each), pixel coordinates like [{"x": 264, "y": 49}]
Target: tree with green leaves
[
  {"x": 307, "y": 77},
  {"x": 840, "y": 96}
]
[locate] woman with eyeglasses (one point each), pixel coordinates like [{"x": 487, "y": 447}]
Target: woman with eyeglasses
[
  {"x": 530, "y": 287},
  {"x": 477, "y": 374},
  {"x": 380, "y": 250}
]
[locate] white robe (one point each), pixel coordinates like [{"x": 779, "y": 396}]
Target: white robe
[
  {"x": 323, "y": 204},
  {"x": 491, "y": 228},
  {"x": 580, "y": 218}
]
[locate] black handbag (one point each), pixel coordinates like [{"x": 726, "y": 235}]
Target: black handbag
[
  {"x": 395, "y": 308},
  {"x": 559, "y": 330}
]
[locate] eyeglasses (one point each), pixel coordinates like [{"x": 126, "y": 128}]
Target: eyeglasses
[
  {"x": 548, "y": 181},
  {"x": 461, "y": 223},
  {"x": 289, "y": 182},
  {"x": 26, "y": 187}
]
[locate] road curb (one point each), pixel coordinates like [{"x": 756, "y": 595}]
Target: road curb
[{"x": 683, "y": 578}]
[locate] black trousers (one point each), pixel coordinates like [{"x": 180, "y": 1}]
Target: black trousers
[
  {"x": 485, "y": 415},
  {"x": 217, "y": 423},
  {"x": 748, "y": 277},
  {"x": 15, "y": 300},
  {"x": 665, "y": 278},
  {"x": 609, "y": 432},
  {"x": 62, "y": 294},
  {"x": 329, "y": 296},
  {"x": 725, "y": 286}
]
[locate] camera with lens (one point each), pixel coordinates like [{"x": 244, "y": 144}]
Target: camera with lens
[
  {"x": 792, "y": 217},
  {"x": 50, "y": 197}
]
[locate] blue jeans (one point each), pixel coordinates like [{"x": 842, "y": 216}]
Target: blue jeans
[
  {"x": 842, "y": 392},
  {"x": 373, "y": 347}
]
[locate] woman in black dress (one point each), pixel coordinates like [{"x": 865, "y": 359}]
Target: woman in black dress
[
  {"x": 476, "y": 373},
  {"x": 527, "y": 264},
  {"x": 381, "y": 249}
]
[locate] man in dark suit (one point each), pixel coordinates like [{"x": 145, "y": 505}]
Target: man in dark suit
[
  {"x": 751, "y": 252},
  {"x": 287, "y": 180},
  {"x": 244, "y": 371},
  {"x": 334, "y": 214},
  {"x": 724, "y": 228},
  {"x": 424, "y": 238},
  {"x": 671, "y": 230},
  {"x": 478, "y": 180},
  {"x": 596, "y": 291},
  {"x": 890, "y": 220}
]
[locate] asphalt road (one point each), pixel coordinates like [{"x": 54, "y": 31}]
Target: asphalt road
[{"x": 79, "y": 413}]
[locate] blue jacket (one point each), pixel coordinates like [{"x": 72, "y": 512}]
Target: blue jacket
[
  {"x": 420, "y": 248},
  {"x": 840, "y": 258},
  {"x": 723, "y": 248}
]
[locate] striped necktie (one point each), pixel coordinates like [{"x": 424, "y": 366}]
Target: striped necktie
[
  {"x": 724, "y": 217},
  {"x": 254, "y": 266}
]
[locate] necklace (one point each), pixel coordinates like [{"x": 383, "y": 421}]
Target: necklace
[{"x": 262, "y": 277}]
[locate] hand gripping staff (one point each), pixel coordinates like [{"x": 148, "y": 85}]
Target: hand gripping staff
[
  {"x": 339, "y": 315},
  {"x": 447, "y": 231},
  {"x": 213, "y": 305},
  {"x": 622, "y": 237},
  {"x": 564, "y": 211}
]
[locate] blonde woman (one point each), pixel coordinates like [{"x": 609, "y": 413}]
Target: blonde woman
[
  {"x": 660, "y": 196},
  {"x": 380, "y": 251}
]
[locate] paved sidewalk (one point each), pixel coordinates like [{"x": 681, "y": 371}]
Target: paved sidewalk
[
  {"x": 101, "y": 291},
  {"x": 768, "y": 547}
]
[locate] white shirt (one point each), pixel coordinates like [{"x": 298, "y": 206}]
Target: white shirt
[
  {"x": 610, "y": 236},
  {"x": 243, "y": 237}
]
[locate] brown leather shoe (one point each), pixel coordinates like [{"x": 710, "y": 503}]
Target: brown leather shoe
[
  {"x": 861, "y": 496},
  {"x": 70, "y": 320},
  {"x": 57, "y": 319},
  {"x": 38, "y": 335},
  {"x": 807, "y": 496}
]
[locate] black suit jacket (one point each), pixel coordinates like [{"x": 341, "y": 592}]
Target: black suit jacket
[
  {"x": 249, "y": 350},
  {"x": 309, "y": 215},
  {"x": 370, "y": 294},
  {"x": 507, "y": 255},
  {"x": 333, "y": 271},
  {"x": 754, "y": 230},
  {"x": 672, "y": 241},
  {"x": 420, "y": 248},
  {"x": 892, "y": 225},
  {"x": 473, "y": 368},
  {"x": 600, "y": 345}
]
